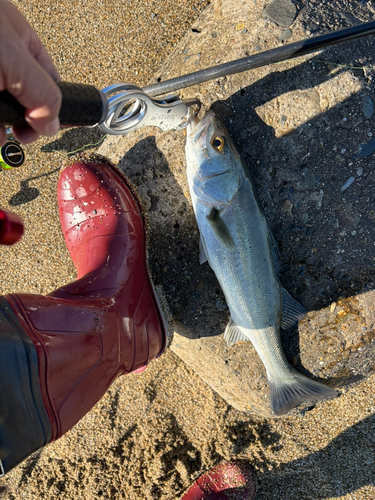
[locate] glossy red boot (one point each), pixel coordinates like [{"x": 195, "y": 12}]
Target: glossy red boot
[
  {"x": 234, "y": 480},
  {"x": 107, "y": 322}
]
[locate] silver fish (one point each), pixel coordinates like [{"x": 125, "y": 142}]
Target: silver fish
[{"x": 236, "y": 240}]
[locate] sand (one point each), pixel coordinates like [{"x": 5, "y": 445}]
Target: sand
[{"x": 153, "y": 433}]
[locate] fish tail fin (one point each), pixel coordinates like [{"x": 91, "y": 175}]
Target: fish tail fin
[{"x": 298, "y": 389}]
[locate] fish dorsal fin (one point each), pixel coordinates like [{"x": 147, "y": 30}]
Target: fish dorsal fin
[
  {"x": 202, "y": 251},
  {"x": 233, "y": 333},
  {"x": 275, "y": 251},
  {"x": 292, "y": 311},
  {"x": 220, "y": 229}
]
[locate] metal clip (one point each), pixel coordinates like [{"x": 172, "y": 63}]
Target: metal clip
[{"x": 130, "y": 108}]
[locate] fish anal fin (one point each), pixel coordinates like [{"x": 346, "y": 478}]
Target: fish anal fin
[
  {"x": 296, "y": 390},
  {"x": 220, "y": 229},
  {"x": 234, "y": 333},
  {"x": 292, "y": 311}
]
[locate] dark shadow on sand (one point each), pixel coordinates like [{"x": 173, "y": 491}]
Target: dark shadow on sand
[{"x": 343, "y": 467}]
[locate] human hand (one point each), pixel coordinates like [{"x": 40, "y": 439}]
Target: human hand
[{"x": 28, "y": 73}]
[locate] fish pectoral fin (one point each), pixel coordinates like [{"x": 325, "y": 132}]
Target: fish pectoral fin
[
  {"x": 220, "y": 229},
  {"x": 292, "y": 311},
  {"x": 234, "y": 333},
  {"x": 202, "y": 251}
]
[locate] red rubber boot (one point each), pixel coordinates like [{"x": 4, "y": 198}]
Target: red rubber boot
[
  {"x": 226, "y": 481},
  {"x": 107, "y": 322}
]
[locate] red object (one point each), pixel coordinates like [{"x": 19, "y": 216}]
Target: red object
[
  {"x": 107, "y": 323},
  {"x": 11, "y": 228},
  {"x": 227, "y": 481}
]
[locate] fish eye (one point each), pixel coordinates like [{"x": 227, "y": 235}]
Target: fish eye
[{"x": 218, "y": 143}]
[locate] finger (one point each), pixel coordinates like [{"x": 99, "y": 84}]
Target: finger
[
  {"x": 34, "y": 88},
  {"x": 45, "y": 61},
  {"x": 29, "y": 73},
  {"x": 40, "y": 121},
  {"x": 17, "y": 23},
  {"x": 25, "y": 135},
  {"x": 3, "y": 136}
]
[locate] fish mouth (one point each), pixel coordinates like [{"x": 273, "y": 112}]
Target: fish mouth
[{"x": 198, "y": 128}]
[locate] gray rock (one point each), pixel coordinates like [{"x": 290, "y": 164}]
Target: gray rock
[
  {"x": 283, "y": 119},
  {"x": 221, "y": 305},
  {"x": 281, "y": 12},
  {"x": 309, "y": 176},
  {"x": 368, "y": 107},
  {"x": 317, "y": 197},
  {"x": 285, "y": 35},
  {"x": 354, "y": 21},
  {"x": 312, "y": 27},
  {"x": 347, "y": 184},
  {"x": 339, "y": 158},
  {"x": 368, "y": 148}
]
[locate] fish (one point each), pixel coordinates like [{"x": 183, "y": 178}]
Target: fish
[{"x": 236, "y": 240}]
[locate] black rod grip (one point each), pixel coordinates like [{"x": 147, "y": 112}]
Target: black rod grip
[{"x": 82, "y": 105}]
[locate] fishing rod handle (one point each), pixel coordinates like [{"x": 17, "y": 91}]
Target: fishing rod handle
[{"x": 82, "y": 105}]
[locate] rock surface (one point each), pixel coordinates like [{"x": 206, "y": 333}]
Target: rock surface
[
  {"x": 299, "y": 126},
  {"x": 281, "y": 12}
]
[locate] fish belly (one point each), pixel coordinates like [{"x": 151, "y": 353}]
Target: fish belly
[{"x": 247, "y": 274}]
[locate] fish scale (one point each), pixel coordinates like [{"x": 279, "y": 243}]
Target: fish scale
[{"x": 238, "y": 244}]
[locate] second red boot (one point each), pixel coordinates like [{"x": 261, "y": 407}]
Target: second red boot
[
  {"x": 232, "y": 480},
  {"x": 106, "y": 323}
]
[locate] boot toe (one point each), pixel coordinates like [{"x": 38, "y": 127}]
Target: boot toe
[
  {"x": 96, "y": 205},
  {"x": 228, "y": 480}
]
